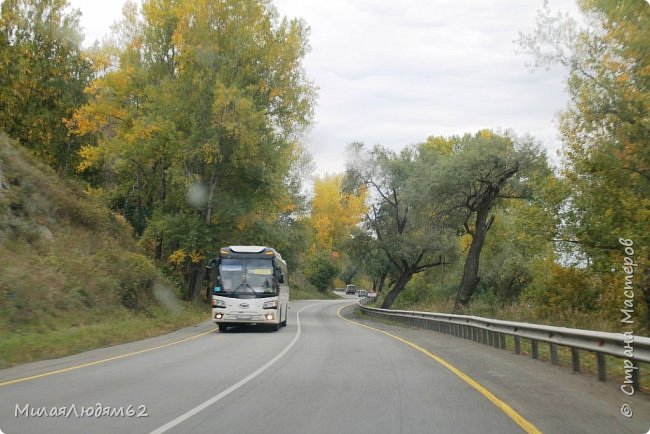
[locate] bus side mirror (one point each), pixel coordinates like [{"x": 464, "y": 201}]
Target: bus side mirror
[
  {"x": 280, "y": 277},
  {"x": 217, "y": 285}
]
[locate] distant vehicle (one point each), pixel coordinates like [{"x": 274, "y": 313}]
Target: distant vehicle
[
  {"x": 362, "y": 293},
  {"x": 350, "y": 289},
  {"x": 249, "y": 287}
]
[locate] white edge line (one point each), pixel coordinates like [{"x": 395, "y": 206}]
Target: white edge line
[{"x": 209, "y": 402}]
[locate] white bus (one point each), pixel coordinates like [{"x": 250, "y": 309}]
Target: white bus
[{"x": 249, "y": 286}]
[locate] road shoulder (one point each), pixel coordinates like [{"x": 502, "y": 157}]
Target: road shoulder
[
  {"x": 550, "y": 396},
  {"x": 45, "y": 367}
]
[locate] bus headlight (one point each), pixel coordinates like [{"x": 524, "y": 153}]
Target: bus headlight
[
  {"x": 269, "y": 317},
  {"x": 218, "y": 303},
  {"x": 270, "y": 304}
]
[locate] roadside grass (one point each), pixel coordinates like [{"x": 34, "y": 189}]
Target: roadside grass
[
  {"x": 300, "y": 293},
  {"x": 301, "y": 289},
  {"x": 121, "y": 326}
]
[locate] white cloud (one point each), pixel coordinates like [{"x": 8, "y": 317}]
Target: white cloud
[
  {"x": 97, "y": 17},
  {"x": 395, "y": 73}
]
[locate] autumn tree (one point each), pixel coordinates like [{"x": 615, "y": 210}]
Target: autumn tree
[
  {"x": 605, "y": 131},
  {"x": 334, "y": 213},
  {"x": 43, "y": 73},
  {"x": 198, "y": 123}
]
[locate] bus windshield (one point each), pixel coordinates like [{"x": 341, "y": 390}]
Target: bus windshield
[{"x": 247, "y": 278}]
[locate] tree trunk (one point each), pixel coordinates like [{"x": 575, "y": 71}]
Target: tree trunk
[
  {"x": 196, "y": 277},
  {"x": 209, "y": 199},
  {"x": 378, "y": 283},
  {"x": 159, "y": 248},
  {"x": 394, "y": 292},
  {"x": 470, "y": 277}
]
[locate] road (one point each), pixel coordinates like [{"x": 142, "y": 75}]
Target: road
[{"x": 320, "y": 374}]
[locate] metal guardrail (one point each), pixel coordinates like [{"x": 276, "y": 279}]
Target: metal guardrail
[{"x": 631, "y": 349}]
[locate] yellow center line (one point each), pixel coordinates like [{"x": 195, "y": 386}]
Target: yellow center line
[
  {"x": 97, "y": 362},
  {"x": 527, "y": 426}
]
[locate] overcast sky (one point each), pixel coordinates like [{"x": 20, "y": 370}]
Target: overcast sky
[{"x": 395, "y": 72}]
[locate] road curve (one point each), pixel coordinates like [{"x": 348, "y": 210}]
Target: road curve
[{"x": 320, "y": 374}]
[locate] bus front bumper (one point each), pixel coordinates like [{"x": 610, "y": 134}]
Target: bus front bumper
[{"x": 269, "y": 317}]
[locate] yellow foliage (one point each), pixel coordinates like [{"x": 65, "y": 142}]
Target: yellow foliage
[
  {"x": 211, "y": 153},
  {"x": 465, "y": 241},
  {"x": 90, "y": 156},
  {"x": 334, "y": 214},
  {"x": 441, "y": 144},
  {"x": 177, "y": 258},
  {"x": 485, "y": 134},
  {"x": 196, "y": 257}
]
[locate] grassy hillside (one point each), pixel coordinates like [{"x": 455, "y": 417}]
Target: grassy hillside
[{"x": 71, "y": 275}]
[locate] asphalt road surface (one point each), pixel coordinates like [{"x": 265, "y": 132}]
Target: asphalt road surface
[{"x": 320, "y": 374}]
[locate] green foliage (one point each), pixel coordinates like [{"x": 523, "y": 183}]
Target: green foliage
[
  {"x": 302, "y": 289},
  {"x": 468, "y": 177},
  {"x": 43, "y": 73},
  {"x": 321, "y": 271},
  {"x": 430, "y": 199},
  {"x": 563, "y": 290},
  {"x": 401, "y": 228}
]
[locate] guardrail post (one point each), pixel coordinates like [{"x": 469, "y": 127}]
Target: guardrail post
[
  {"x": 553, "y": 349},
  {"x": 502, "y": 339},
  {"x": 602, "y": 375},
  {"x": 534, "y": 351},
  {"x": 575, "y": 359},
  {"x": 636, "y": 375},
  {"x": 517, "y": 345}
]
